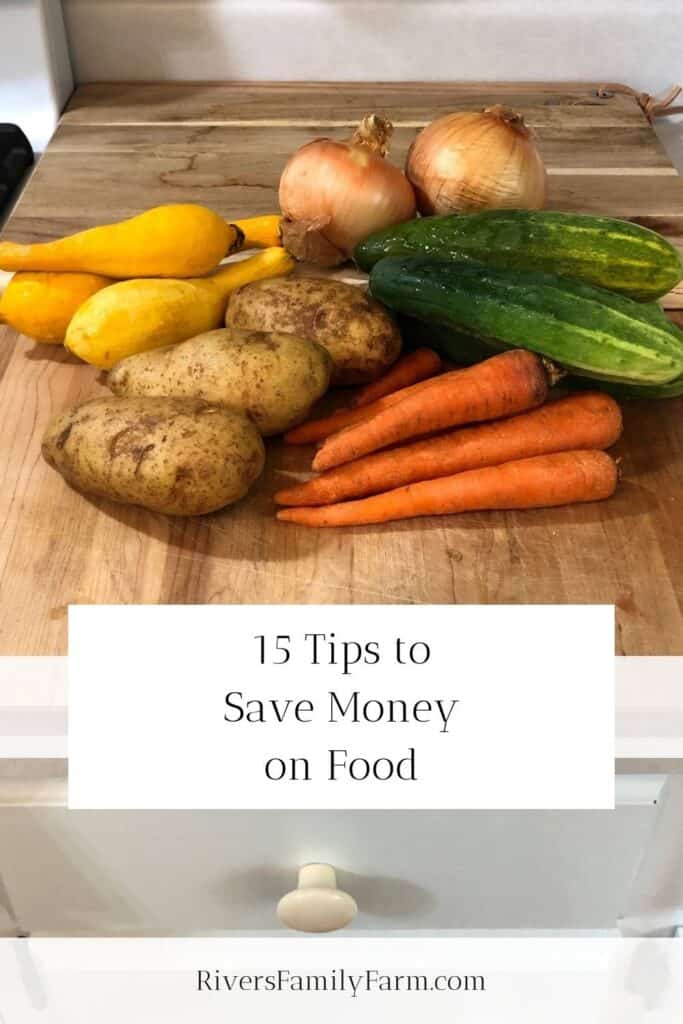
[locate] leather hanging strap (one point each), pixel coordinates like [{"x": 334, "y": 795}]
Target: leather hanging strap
[{"x": 650, "y": 106}]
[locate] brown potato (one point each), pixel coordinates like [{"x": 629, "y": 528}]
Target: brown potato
[
  {"x": 273, "y": 378},
  {"x": 179, "y": 456},
  {"x": 357, "y": 331}
]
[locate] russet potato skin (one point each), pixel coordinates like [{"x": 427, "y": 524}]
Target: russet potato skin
[
  {"x": 182, "y": 457},
  {"x": 358, "y": 332},
  {"x": 273, "y": 378}
]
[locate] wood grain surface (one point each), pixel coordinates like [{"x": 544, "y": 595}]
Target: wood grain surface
[
  {"x": 322, "y": 104},
  {"x": 121, "y": 148}
]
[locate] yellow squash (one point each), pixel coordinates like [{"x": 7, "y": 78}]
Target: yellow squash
[
  {"x": 260, "y": 232},
  {"x": 182, "y": 240},
  {"x": 140, "y": 315},
  {"x": 41, "y": 304}
]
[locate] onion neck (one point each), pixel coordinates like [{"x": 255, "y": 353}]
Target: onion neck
[
  {"x": 374, "y": 133},
  {"x": 510, "y": 118}
]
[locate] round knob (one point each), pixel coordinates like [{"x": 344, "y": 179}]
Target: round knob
[{"x": 317, "y": 905}]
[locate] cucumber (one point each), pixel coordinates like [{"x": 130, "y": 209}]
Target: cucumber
[
  {"x": 590, "y": 331},
  {"x": 459, "y": 347},
  {"x": 602, "y": 251},
  {"x": 466, "y": 350},
  {"x": 619, "y": 390}
]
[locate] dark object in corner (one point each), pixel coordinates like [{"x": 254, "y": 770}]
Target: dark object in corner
[{"x": 16, "y": 156}]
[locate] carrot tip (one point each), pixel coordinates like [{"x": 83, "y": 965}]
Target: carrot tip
[
  {"x": 287, "y": 496},
  {"x": 554, "y": 372}
]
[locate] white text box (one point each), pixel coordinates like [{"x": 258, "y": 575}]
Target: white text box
[{"x": 352, "y": 707}]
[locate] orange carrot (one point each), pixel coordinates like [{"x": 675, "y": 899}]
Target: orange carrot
[
  {"x": 416, "y": 366},
  {"x": 507, "y": 383},
  {"x": 587, "y": 420},
  {"x": 540, "y": 482},
  {"x": 317, "y": 430}
]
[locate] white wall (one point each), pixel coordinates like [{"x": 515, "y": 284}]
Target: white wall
[
  {"x": 632, "y": 41},
  {"x": 35, "y": 73},
  {"x": 637, "y": 41}
]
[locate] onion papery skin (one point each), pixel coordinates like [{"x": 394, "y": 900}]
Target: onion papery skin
[
  {"x": 476, "y": 161},
  {"x": 345, "y": 191}
]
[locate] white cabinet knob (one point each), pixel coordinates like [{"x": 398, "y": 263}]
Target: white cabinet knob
[{"x": 317, "y": 905}]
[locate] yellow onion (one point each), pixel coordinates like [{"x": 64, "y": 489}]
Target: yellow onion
[
  {"x": 334, "y": 194},
  {"x": 472, "y": 161}
]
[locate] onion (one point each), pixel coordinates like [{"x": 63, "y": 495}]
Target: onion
[
  {"x": 335, "y": 194},
  {"x": 471, "y": 161}
]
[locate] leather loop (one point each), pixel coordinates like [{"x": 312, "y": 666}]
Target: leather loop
[{"x": 650, "y": 106}]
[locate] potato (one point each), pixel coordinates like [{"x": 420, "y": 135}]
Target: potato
[
  {"x": 180, "y": 456},
  {"x": 357, "y": 331},
  {"x": 273, "y": 378}
]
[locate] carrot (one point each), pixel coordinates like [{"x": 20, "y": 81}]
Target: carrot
[
  {"x": 317, "y": 430},
  {"x": 540, "y": 482},
  {"x": 588, "y": 420},
  {"x": 410, "y": 369},
  {"x": 501, "y": 386}
]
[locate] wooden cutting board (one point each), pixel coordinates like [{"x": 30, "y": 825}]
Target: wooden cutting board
[{"x": 120, "y": 148}]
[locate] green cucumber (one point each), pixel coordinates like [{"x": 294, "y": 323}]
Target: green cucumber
[
  {"x": 620, "y": 390},
  {"x": 614, "y": 254},
  {"x": 466, "y": 350},
  {"x": 590, "y": 331},
  {"x": 459, "y": 347}
]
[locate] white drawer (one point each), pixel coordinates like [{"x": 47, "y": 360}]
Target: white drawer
[{"x": 212, "y": 872}]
